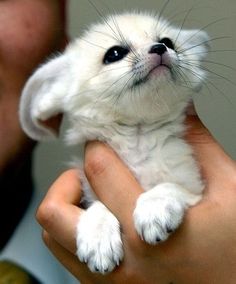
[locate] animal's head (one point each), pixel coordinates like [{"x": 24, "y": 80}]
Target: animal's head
[{"x": 132, "y": 68}]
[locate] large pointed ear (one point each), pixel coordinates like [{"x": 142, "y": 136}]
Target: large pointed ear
[{"x": 42, "y": 97}]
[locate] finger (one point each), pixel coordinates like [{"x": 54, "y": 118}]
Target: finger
[
  {"x": 81, "y": 271},
  {"x": 196, "y": 129},
  {"x": 67, "y": 188},
  {"x": 197, "y": 133},
  {"x": 208, "y": 152},
  {"x": 58, "y": 213},
  {"x": 68, "y": 260},
  {"x": 112, "y": 181}
]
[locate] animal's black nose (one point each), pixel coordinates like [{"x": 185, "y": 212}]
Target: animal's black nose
[{"x": 159, "y": 49}]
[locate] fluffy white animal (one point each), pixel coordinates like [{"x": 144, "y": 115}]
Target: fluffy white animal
[{"x": 126, "y": 82}]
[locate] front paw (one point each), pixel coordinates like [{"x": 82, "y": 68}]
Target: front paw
[
  {"x": 157, "y": 215},
  {"x": 98, "y": 239}
]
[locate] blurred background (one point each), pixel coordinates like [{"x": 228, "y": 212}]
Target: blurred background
[{"x": 215, "y": 104}]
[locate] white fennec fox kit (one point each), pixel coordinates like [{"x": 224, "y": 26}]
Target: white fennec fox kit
[{"x": 126, "y": 82}]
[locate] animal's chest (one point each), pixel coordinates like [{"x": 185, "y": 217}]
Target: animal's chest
[{"x": 145, "y": 153}]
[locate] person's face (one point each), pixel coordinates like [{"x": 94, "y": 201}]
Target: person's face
[{"x": 29, "y": 32}]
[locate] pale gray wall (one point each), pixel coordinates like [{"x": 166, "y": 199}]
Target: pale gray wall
[{"x": 216, "y": 108}]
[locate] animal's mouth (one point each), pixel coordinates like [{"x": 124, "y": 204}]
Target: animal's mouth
[{"x": 159, "y": 70}]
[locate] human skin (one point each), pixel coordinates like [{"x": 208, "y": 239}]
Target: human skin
[
  {"x": 29, "y": 32},
  {"x": 201, "y": 251}
]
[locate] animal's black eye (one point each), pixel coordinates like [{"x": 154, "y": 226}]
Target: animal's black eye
[
  {"x": 168, "y": 42},
  {"x": 114, "y": 54}
]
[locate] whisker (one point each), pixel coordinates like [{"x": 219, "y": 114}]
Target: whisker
[
  {"x": 102, "y": 95},
  {"x": 93, "y": 44},
  {"x": 106, "y": 71},
  {"x": 104, "y": 19},
  {"x": 163, "y": 9},
  {"x": 115, "y": 82},
  {"x": 182, "y": 25},
  {"x": 214, "y": 63},
  {"x": 106, "y": 34},
  {"x": 210, "y": 71},
  {"x": 184, "y": 77},
  {"x": 202, "y": 29},
  {"x": 206, "y": 81},
  {"x": 124, "y": 87},
  {"x": 168, "y": 23},
  {"x": 159, "y": 14},
  {"x": 123, "y": 38},
  {"x": 202, "y": 43},
  {"x": 212, "y": 51}
]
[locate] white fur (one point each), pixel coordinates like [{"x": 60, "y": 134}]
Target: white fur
[
  {"x": 141, "y": 119},
  {"x": 99, "y": 242}
]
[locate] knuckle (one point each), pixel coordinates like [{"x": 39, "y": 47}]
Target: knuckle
[
  {"x": 46, "y": 213},
  {"x": 96, "y": 165}
]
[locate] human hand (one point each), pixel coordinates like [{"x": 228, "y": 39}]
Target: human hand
[{"x": 200, "y": 251}]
